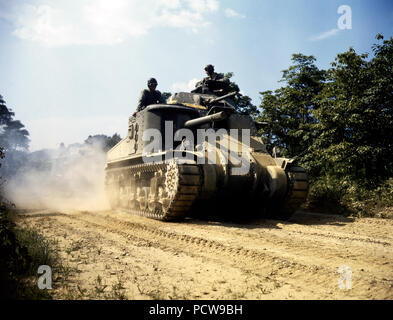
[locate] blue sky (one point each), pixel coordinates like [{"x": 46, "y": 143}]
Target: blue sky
[{"x": 70, "y": 68}]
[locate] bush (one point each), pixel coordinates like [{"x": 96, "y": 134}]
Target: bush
[
  {"x": 344, "y": 196},
  {"x": 21, "y": 251},
  {"x": 376, "y": 202},
  {"x": 326, "y": 195}
]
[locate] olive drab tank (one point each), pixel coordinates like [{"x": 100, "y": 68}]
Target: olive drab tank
[{"x": 164, "y": 170}]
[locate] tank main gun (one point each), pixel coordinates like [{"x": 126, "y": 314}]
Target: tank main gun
[
  {"x": 207, "y": 119},
  {"x": 218, "y": 116}
]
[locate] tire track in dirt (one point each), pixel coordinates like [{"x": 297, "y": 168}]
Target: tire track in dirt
[
  {"x": 240, "y": 255},
  {"x": 288, "y": 241},
  {"x": 283, "y": 257},
  {"x": 283, "y": 247},
  {"x": 143, "y": 273}
]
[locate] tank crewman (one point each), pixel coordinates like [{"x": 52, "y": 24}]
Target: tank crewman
[
  {"x": 149, "y": 96},
  {"x": 215, "y": 82}
]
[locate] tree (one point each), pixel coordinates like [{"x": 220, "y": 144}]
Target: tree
[
  {"x": 341, "y": 115},
  {"x": 242, "y": 103},
  {"x": 380, "y": 95},
  {"x": 13, "y": 135},
  {"x": 13, "y": 139},
  {"x": 355, "y": 117},
  {"x": 166, "y": 95},
  {"x": 338, "y": 123},
  {"x": 103, "y": 141},
  {"x": 288, "y": 111}
]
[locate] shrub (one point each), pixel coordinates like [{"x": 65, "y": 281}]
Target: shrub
[{"x": 21, "y": 251}]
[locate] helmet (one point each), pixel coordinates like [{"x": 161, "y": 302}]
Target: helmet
[
  {"x": 209, "y": 68},
  {"x": 152, "y": 81}
]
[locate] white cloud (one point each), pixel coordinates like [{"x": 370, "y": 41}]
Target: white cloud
[
  {"x": 70, "y": 22},
  {"x": 325, "y": 35},
  {"x": 230, "y": 13},
  {"x": 184, "y": 19},
  {"x": 202, "y": 6},
  {"x": 184, "y": 86},
  {"x": 44, "y": 24}
]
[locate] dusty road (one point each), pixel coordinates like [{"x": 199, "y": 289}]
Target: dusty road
[{"x": 112, "y": 254}]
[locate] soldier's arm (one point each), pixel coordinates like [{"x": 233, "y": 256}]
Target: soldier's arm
[
  {"x": 141, "y": 102},
  {"x": 199, "y": 83}
]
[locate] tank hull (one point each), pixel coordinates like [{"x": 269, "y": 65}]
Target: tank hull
[
  {"x": 227, "y": 172},
  {"x": 175, "y": 189}
]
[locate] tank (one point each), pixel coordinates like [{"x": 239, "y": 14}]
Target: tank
[{"x": 196, "y": 156}]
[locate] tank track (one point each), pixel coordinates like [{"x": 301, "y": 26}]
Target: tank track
[
  {"x": 161, "y": 191},
  {"x": 297, "y": 192}
]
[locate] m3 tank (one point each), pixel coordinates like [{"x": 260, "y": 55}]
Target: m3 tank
[{"x": 196, "y": 156}]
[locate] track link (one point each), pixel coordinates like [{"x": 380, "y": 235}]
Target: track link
[
  {"x": 169, "y": 189},
  {"x": 297, "y": 192}
]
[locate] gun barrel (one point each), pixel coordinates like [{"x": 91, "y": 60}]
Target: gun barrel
[
  {"x": 207, "y": 119},
  {"x": 261, "y": 125},
  {"x": 210, "y": 102}
]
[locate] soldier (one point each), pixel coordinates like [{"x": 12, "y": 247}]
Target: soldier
[
  {"x": 214, "y": 82},
  {"x": 148, "y": 97}
]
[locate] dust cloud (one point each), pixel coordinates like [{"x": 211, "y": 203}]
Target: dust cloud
[{"x": 69, "y": 178}]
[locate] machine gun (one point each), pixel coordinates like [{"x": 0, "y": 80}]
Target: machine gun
[
  {"x": 210, "y": 86},
  {"x": 210, "y": 102}
]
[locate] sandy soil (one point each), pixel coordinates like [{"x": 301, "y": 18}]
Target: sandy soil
[{"x": 112, "y": 254}]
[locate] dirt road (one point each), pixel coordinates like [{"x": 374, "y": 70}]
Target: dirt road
[{"x": 112, "y": 254}]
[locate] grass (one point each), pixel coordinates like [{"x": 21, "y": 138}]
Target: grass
[
  {"x": 155, "y": 294},
  {"x": 102, "y": 291},
  {"x": 40, "y": 250},
  {"x": 22, "y": 251},
  {"x": 117, "y": 290},
  {"x": 99, "y": 286}
]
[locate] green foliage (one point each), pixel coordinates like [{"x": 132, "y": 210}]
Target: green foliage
[
  {"x": 326, "y": 194},
  {"x": 242, "y": 102},
  {"x": 166, "y": 95},
  {"x": 14, "y": 255},
  {"x": 103, "y": 141},
  {"x": 40, "y": 250},
  {"x": 14, "y": 141},
  {"x": 289, "y": 110},
  {"x": 13, "y": 135},
  {"x": 345, "y": 196},
  {"x": 355, "y": 117},
  {"x": 22, "y": 251},
  {"x": 338, "y": 124}
]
